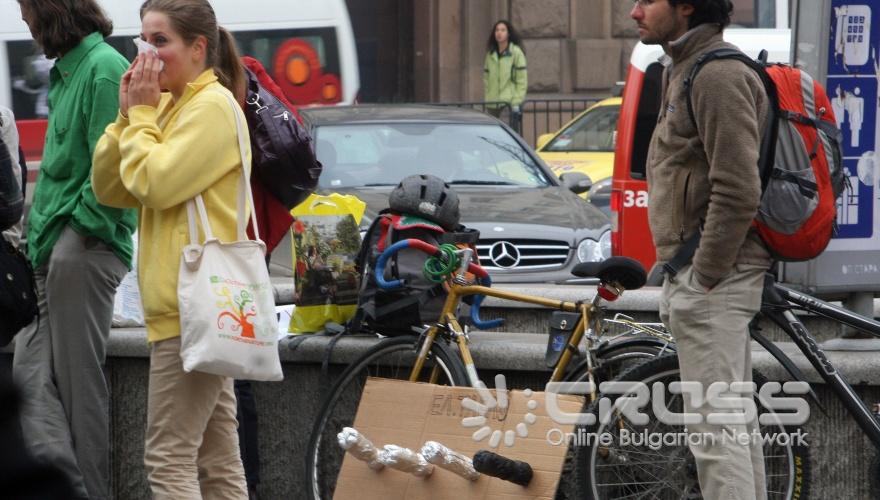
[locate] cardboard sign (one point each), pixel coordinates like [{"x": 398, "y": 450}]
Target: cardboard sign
[{"x": 409, "y": 414}]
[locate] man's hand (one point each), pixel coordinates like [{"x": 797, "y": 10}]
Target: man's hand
[{"x": 704, "y": 283}]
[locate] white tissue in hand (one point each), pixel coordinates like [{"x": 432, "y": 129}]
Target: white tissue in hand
[{"x": 145, "y": 46}]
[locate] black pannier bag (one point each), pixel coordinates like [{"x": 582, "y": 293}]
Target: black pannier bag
[
  {"x": 425, "y": 208},
  {"x": 420, "y": 301}
]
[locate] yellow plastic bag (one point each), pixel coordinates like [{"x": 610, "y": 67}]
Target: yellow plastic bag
[{"x": 326, "y": 239}]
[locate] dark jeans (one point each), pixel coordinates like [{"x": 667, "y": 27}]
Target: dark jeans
[{"x": 247, "y": 432}]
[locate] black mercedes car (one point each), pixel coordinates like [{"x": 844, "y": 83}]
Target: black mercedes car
[{"x": 533, "y": 226}]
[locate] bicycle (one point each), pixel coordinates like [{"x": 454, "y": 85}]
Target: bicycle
[
  {"x": 618, "y": 471},
  {"x": 431, "y": 357}
]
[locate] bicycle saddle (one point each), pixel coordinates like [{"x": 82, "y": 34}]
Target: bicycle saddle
[{"x": 629, "y": 273}]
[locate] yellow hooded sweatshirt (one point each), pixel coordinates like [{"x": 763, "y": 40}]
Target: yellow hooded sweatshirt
[{"x": 156, "y": 160}]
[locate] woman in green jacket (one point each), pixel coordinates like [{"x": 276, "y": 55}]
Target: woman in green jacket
[{"x": 504, "y": 72}]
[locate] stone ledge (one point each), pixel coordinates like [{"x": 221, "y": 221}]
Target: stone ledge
[
  {"x": 856, "y": 359},
  {"x": 643, "y": 299}
]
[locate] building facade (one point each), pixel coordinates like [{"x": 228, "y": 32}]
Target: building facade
[{"x": 433, "y": 50}]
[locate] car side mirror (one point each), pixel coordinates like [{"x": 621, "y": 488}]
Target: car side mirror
[
  {"x": 576, "y": 182},
  {"x": 543, "y": 139}
]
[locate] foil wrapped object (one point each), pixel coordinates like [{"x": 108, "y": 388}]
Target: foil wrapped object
[
  {"x": 360, "y": 447},
  {"x": 406, "y": 460},
  {"x": 452, "y": 461}
]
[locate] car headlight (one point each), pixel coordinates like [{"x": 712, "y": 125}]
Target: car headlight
[
  {"x": 588, "y": 251},
  {"x": 605, "y": 245}
]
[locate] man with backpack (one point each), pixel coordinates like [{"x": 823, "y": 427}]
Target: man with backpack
[{"x": 703, "y": 180}]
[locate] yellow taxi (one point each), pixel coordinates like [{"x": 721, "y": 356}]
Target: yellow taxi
[{"x": 586, "y": 145}]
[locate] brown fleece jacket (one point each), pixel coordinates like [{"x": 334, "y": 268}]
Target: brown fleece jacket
[{"x": 708, "y": 173}]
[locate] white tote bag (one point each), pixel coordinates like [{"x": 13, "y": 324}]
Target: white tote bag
[{"x": 228, "y": 324}]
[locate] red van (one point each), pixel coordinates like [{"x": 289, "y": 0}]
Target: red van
[{"x": 630, "y": 235}]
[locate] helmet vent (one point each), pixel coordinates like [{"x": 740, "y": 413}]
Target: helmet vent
[{"x": 426, "y": 196}]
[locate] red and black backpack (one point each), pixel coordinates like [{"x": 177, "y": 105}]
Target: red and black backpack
[{"x": 800, "y": 162}]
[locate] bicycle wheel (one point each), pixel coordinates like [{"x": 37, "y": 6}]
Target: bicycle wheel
[
  {"x": 391, "y": 358},
  {"x": 616, "y": 360},
  {"x": 612, "y": 363},
  {"x": 626, "y": 470}
]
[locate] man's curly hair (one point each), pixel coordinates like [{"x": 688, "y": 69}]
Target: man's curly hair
[{"x": 708, "y": 11}]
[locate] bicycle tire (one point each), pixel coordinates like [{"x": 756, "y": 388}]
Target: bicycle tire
[
  {"x": 787, "y": 467},
  {"x": 612, "y": 363},
  {"x": 324, "y": 457}
]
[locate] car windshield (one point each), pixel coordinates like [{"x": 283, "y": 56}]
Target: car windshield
[
  {"x": 383, "y": 154},
  {"x": 594, "y": 131}
]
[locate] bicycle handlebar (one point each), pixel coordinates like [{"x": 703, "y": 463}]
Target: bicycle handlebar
[
  {"x": 475, "y": 309},
  {"x": 482, "y": 277}
]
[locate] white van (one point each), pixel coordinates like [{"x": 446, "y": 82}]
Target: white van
[{"x": 307, "y": 46}]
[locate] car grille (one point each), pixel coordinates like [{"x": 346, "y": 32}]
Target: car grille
[{"x": 522, "y": 254}]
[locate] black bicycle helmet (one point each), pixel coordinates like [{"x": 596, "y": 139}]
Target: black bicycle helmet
[{"x": 428, "y": 197}]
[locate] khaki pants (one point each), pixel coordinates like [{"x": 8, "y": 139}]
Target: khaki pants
[
  {"x": 712, "y": 338},
  {"x": 192, "y": 443}
]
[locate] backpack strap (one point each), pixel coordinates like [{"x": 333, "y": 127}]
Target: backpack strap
[
  {"x": 24, "y": 171},
  {"x": 363, "y": 255},
  {"x": 768, "y": 138},
  {"x": 684, "y": 255}
]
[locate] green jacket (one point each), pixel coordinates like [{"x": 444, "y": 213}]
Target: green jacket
[
  {"x": 504, "y": 76},
  {"x": 83, "y": 100}
]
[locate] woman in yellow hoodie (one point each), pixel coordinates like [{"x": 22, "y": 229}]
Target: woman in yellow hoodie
[{"x": 165, "y": 147}]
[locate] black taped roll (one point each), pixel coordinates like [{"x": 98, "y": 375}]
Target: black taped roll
[{"x": 495, "y": 465}]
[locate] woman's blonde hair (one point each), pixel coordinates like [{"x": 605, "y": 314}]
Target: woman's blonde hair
[{"x": 191, "y": 18}]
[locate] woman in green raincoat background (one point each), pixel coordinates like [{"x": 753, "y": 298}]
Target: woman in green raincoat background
[{"x": 504, "y": 72}]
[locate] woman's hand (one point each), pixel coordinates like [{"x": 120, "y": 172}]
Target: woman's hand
[
  {"x": 143, "y": 85},
  {"x": 123, "y": 88}
]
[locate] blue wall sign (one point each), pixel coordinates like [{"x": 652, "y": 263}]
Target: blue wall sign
[{"x": 852, "y": 85}]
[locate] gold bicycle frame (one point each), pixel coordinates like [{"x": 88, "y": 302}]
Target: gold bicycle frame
[{"x": 448, "y": 321}]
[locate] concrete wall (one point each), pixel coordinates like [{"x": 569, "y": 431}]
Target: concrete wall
[{"x": 840, "y": 452}]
